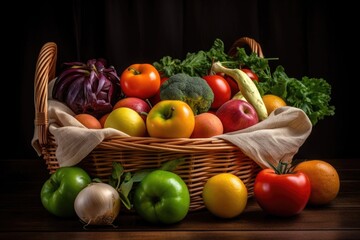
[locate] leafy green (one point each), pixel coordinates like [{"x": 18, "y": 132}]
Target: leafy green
[
  {"x": 312, "y": 95},
  {"x": 195, "y": 64},
  {"x": 124, "y": 182},
  {"x": 172, "y": 165}
]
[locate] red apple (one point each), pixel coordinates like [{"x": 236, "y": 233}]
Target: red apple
[
  {"x": 237, "y": 114},
  {"x": 137, "y": 104}
]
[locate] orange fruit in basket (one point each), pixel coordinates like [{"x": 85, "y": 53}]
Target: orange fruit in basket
[
  {"x": 273, "y": 102},
  {"x": 324, "y": 181},
  {"x": 225, "y": 195},
  {"x": 207, "y": 125},
  {"x": 127, "y": 121},
  {"x": 88, "y": 120},
  {"x": 103, "y": 118}
]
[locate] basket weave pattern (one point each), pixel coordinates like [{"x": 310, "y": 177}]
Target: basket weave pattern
[{"x": 204, "y": 157}]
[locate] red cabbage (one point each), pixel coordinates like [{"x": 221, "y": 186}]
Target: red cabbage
[{"x": 88, "y": 88}]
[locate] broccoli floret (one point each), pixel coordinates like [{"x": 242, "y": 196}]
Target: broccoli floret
[{"x": 195, "y": 91}]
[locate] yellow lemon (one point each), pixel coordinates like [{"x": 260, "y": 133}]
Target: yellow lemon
[
  {"x": 126, "y": 120},
  {"x": 225, "y": 195}
]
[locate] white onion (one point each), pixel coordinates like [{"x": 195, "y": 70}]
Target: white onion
[{"x": 98, "y": 204}]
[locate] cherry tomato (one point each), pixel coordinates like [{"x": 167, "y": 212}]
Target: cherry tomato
[
  {"x": 221, "y": 89},
  {"x": 251, "y": 74},
  {"x": 281, "y": 194},
  {"x": 140, "y": 80}
]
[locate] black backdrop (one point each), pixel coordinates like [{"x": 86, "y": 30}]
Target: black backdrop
[{"x": 310, "y": 38}]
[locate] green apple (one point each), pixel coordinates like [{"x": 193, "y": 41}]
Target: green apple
[
  {"x": 162, "y": 197},
  {"x": 58, "y": 193}
]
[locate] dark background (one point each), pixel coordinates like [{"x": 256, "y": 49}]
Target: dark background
[{"x": 310, "y": 38}]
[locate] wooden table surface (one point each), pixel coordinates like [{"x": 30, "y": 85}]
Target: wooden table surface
[{"x": 23, "y": 217}]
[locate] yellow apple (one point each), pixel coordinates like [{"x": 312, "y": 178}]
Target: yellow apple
[
  {"x": 126, "y": 120},
  {"x": 170, "y": 119}
]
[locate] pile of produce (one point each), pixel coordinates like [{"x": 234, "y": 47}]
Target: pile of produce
[
  {"x": 161, "y": 197},
  {"x": 95, "y": 88},
  {"x": 312, "y": 95},
  {"x": 206, "y": 94}
]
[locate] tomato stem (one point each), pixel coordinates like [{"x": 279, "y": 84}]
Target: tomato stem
[
  {"x": 133, "y": 70},
  {"x": 281, "y": 168}
]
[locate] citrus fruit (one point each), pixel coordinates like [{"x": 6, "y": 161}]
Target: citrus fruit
[
  {"x": 225, "y": 195},
  {"x": 207, "y": 125},
  {"x": 88, "y": 120},
  {"x": 126, "y": 120},
  {"x": 273, "y": 102},
  {"x": 324, "y": 181}
]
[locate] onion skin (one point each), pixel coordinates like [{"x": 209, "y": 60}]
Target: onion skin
[{"x": 98, "y": 204}]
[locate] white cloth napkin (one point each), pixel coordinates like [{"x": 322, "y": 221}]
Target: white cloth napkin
[
  {"x": 74, "y": 140},
  {"x": 279, "y": 137}
]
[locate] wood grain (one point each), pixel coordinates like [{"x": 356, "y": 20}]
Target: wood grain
[{"x": 23, "y": 217}]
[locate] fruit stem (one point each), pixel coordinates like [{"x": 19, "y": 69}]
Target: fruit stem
[
  {"x": 170, "y": 113},
  {"x": 133, "y": 70}
]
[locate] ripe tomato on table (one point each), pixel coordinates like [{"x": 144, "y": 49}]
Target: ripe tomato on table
[
  {"x": 221, "y": 89},
  {"x": 140, "y": 80},
  {"x": 281, "y": 194}
]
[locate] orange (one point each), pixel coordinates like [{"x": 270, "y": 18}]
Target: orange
[
  {"x": 127, "y": 121},
  {"x": 324, "y": 180},
  {"x": 225, "y": 195},
  {"x": 207, "y": 125},
  {"x": 88, "y": 120},
  {"x": 273, "y": 102}
]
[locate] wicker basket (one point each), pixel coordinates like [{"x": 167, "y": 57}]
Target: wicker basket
[{"x": 204, "y": 157}]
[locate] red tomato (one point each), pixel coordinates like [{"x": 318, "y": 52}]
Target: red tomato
[
  {"x": 221, "y": 89},
  {"x": 281, "y": 194},
  {"x": 140, "y": 80},
  {"x": 233, "y": 85},
  {"x": 156, "y": 98},
  {"x": 251, "y": 74}
]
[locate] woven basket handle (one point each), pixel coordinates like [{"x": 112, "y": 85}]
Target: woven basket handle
[
  {"x": 45, "y": 72},
  {"x": 246, "y": 41}
]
